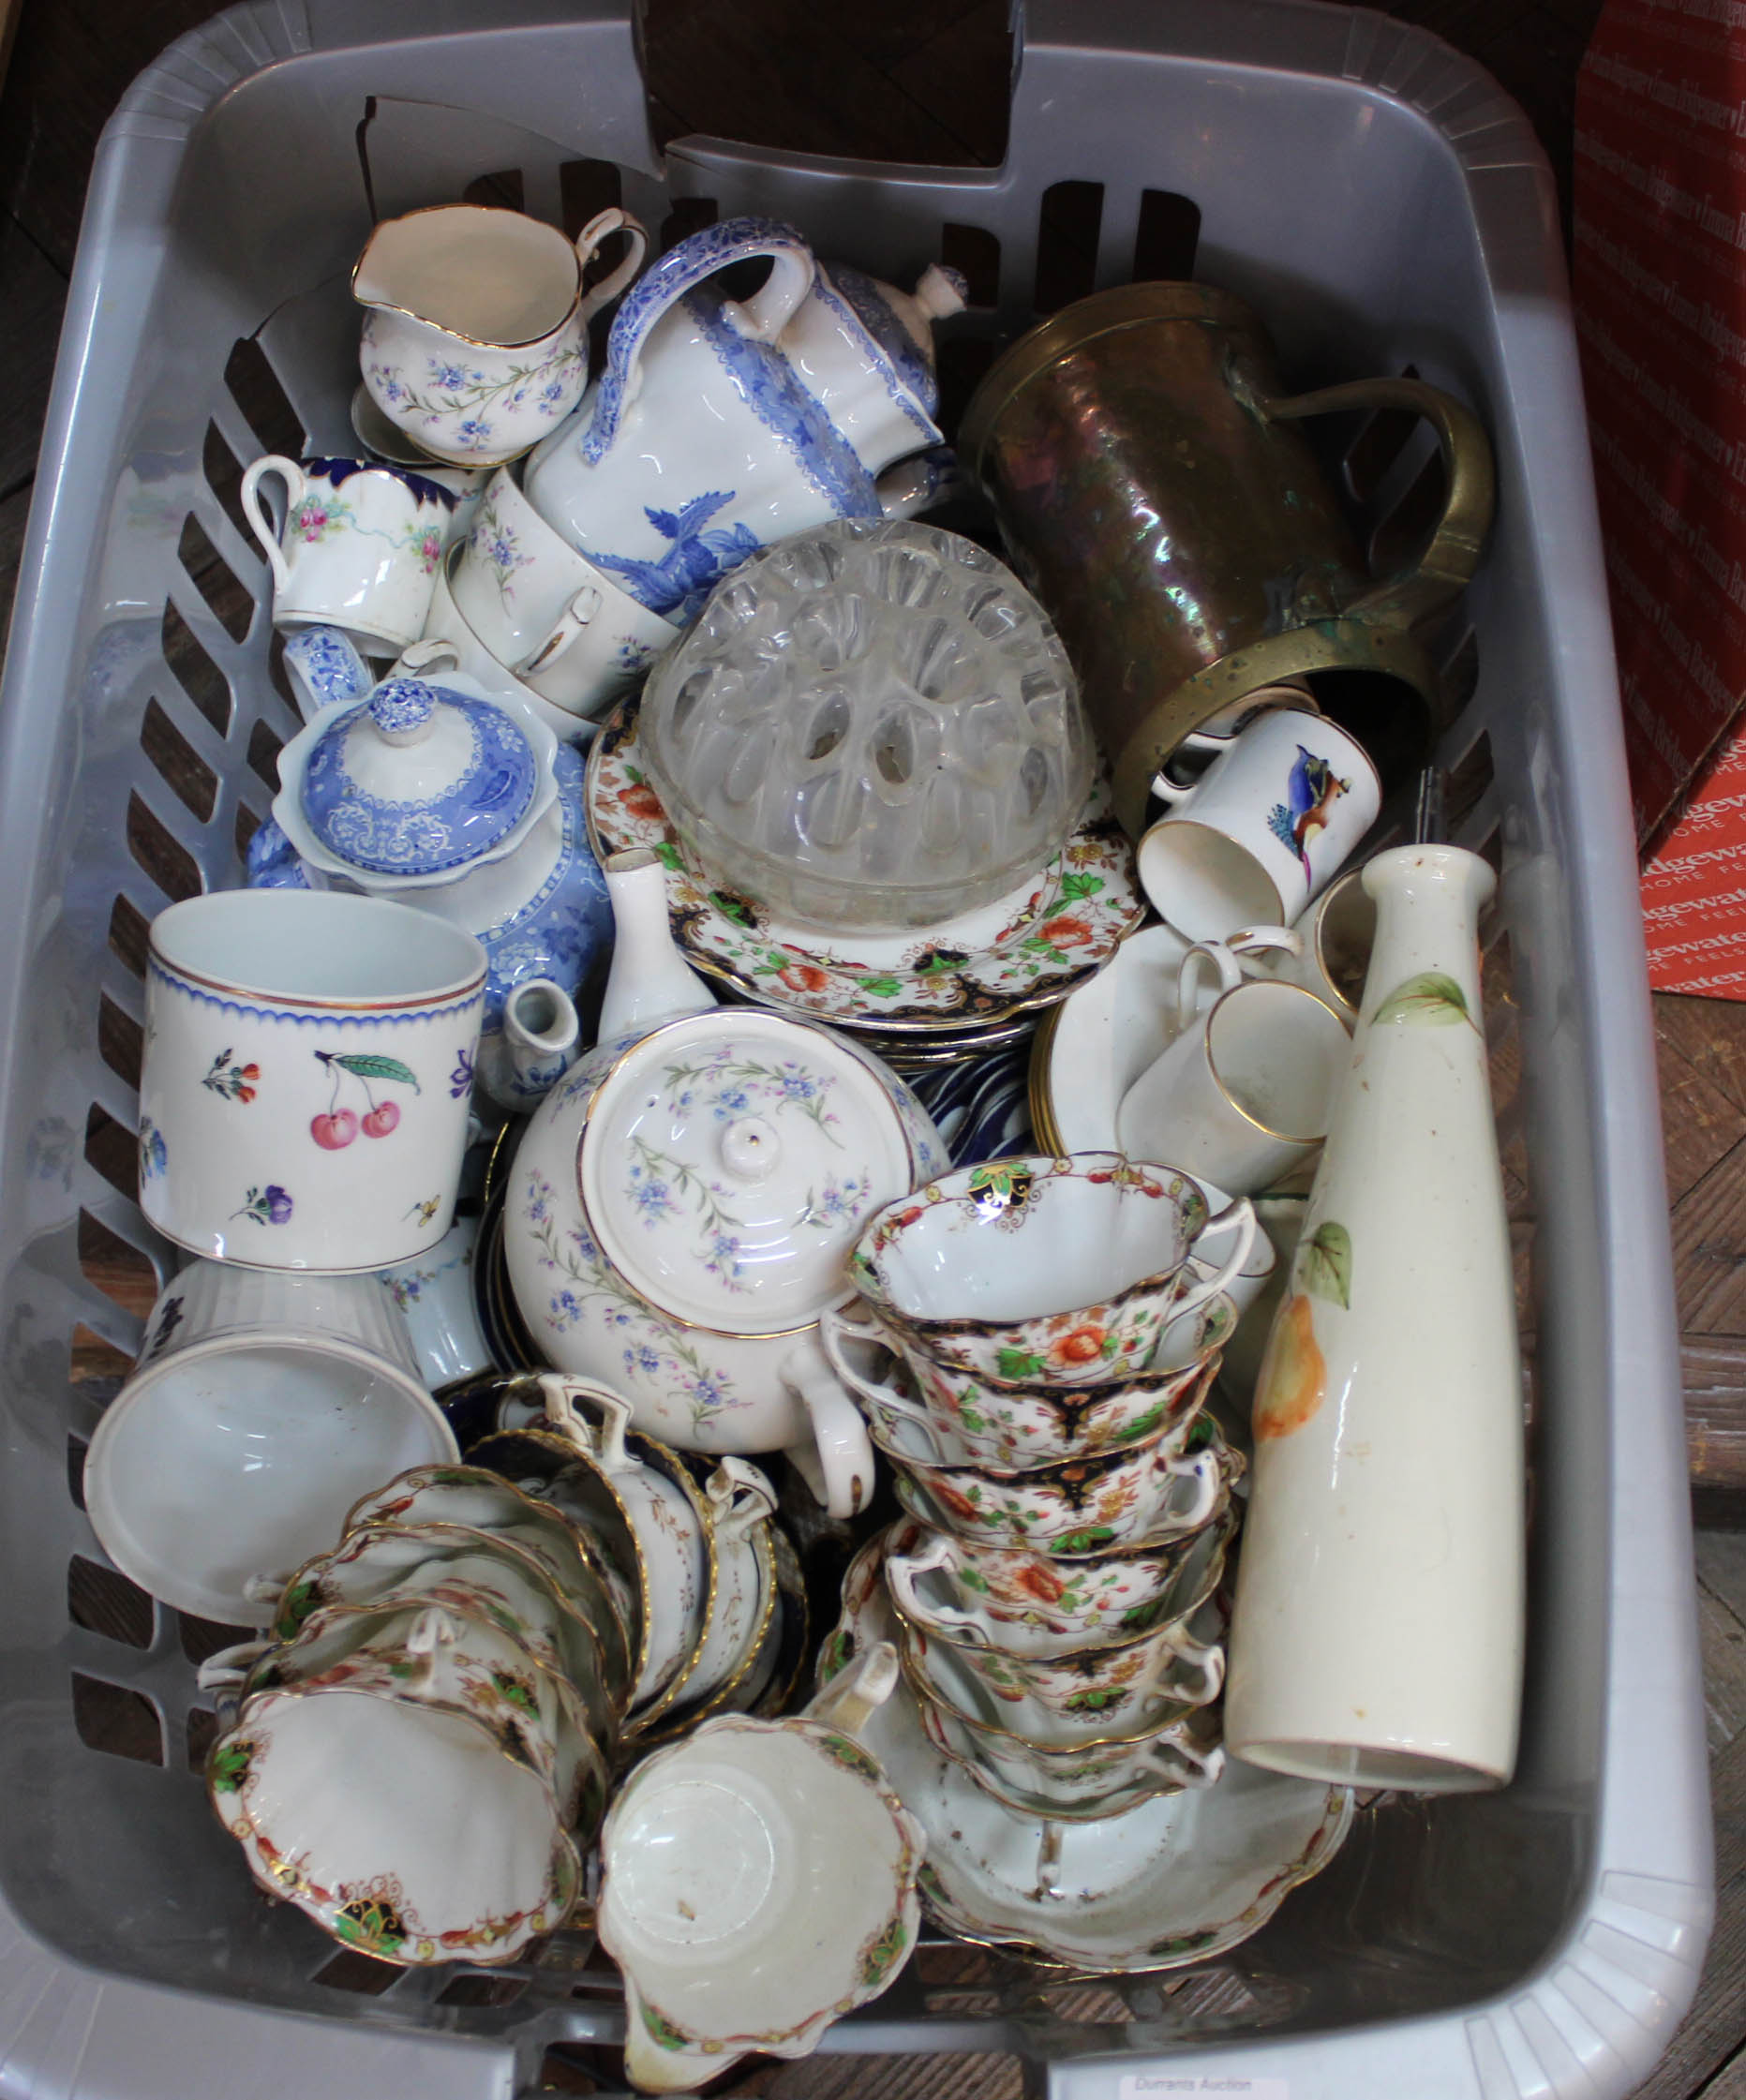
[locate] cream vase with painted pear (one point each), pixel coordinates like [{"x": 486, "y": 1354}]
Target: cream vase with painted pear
[{"x": 1379, "y": 1624}]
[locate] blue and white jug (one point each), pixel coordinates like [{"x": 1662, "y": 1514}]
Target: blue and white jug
[{"x": 719, "y": 425}]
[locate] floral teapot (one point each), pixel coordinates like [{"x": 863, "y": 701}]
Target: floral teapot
[
  {"x": 680, "y": 1214},
  {"x": 719, "y": 425},
  {"x": 466, "y": 806}
]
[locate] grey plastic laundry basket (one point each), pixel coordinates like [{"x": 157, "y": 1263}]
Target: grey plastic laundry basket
[{"x": 1384, "y": 206}]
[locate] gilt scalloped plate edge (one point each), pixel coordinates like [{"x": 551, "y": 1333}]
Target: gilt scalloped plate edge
[{"x": 1062, "y": 934}]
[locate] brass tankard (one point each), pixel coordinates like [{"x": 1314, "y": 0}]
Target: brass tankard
[{"x": 1139, "y": 453}]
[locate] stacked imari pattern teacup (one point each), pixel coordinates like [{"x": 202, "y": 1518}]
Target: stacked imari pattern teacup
[{"x": 1033, "y": 1352}]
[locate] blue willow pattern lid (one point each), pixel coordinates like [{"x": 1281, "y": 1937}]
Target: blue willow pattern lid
[{"x": 418, "y": 780}]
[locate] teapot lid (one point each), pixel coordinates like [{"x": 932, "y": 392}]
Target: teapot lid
[
  {"x": 417, "y": 780},
  {"x": 729, "y": 1163}
]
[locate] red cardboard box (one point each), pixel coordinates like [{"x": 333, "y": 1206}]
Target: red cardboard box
[{"x": 1660, "y": 285}]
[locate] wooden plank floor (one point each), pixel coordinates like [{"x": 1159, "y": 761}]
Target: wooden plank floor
[{"x": 925, "y": 80}]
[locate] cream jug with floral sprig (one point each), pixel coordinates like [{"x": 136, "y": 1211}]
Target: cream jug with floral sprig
[
  {"x": 1379, "y": 1627},
  {"x": 476, "y": 341}
]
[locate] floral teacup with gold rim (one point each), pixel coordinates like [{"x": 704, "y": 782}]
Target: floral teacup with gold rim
[
  {"x": 375, "y": 1866},
  {"x": 1004, "y": 1269},
  {"x": 481, "y": 1576},
  {"x": 438, "y": 1656},
  {"x": 673, "y": 1524},
  {"x": 1081, "y": 1781},
  {"x": 1060, "y": 1701},
  {"x": 1172, "y": 1484},
  {"x": 470, "y": 1498},
  {"x": 942, "y": 1414},
  {"x": 744, "y": 1603},
  {"x": 1035, "y": 1604}
]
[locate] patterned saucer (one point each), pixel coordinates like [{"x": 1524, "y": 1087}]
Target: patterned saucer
[
  {"x": 947, "y": 1052},
  {"x": 1180, "y": 1878},
  {"x": 965, "y": 976}
]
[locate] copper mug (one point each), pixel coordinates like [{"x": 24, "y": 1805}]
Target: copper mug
[{"x": 1140, "y": 451}]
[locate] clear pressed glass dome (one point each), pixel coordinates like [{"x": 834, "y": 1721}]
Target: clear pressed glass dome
[{"x": 872, "y": 725}]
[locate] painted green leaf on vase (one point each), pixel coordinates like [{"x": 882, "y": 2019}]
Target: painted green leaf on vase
[
  {"x": 1327, "y": 1264},
  {"x": 1430, "y": 1000}
]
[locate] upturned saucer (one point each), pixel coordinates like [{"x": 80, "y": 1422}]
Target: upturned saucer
[
  {"x": 1180, "y": 1878},
  {"x": 1093, "y": 1046},
  {"x": 1018, "y": 954}
]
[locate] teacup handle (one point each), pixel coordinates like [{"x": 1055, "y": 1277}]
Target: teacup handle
[
  {"x": 255, "y": 510},
  {"x": 834, "y": 1323},
  {"x": 1247, "y": 1227},
  {"x": 422, "y": 658},
  {"x": 604, "y": 1444},
  {"x": 359, "y": 677},
  {"x": 857, "y": 1690},
  {"x": 739, "y": 1496},
  {"x": 228, "y": 1671},
  {"x": 1173, "y": 794},
  {"x": 572, "y": 623},
  {"x": 1188, "y": 979},
  {"x": 838, "y": 1465},
  {"x": 1201, "y": 1467},
  {"x": 610, "y": 222},
  {"x": 1257, "y": 940},
  {"x": 917, "y": 483},
  {"x": 901, "y": 1571},
  {"x": 433, "y": 1630},
  {"x": 764, "y": 316},
  {"x": 1207, "y": 1658},
  {"x": 1185, "y": 1765}
]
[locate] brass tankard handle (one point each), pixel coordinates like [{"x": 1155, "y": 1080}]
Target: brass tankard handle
[{"x": 1447, "y": 564}]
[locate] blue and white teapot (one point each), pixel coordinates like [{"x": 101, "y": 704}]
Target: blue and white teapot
[
  {"x": 719, "y": 425},
  {"x": 466, "y": 806}
]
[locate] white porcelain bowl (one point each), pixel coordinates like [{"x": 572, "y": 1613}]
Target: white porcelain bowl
[{"x": 238, "y": 1454}]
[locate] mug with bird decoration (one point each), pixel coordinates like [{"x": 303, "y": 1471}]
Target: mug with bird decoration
[{"x": 1264, "y": 830}]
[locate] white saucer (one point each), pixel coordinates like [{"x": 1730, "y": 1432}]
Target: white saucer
[
  {"x": 1101, "y": 1038},
  {"x": 1182, "y": 1877}
]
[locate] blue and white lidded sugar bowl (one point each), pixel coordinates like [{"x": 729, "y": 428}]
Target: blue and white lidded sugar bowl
[{"x": 464, "y": 805}]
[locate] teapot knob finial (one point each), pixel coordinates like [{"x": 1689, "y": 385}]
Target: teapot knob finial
[
  {"x": 750, "y": 1149},
  {"x": 401, "y": 709}
]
